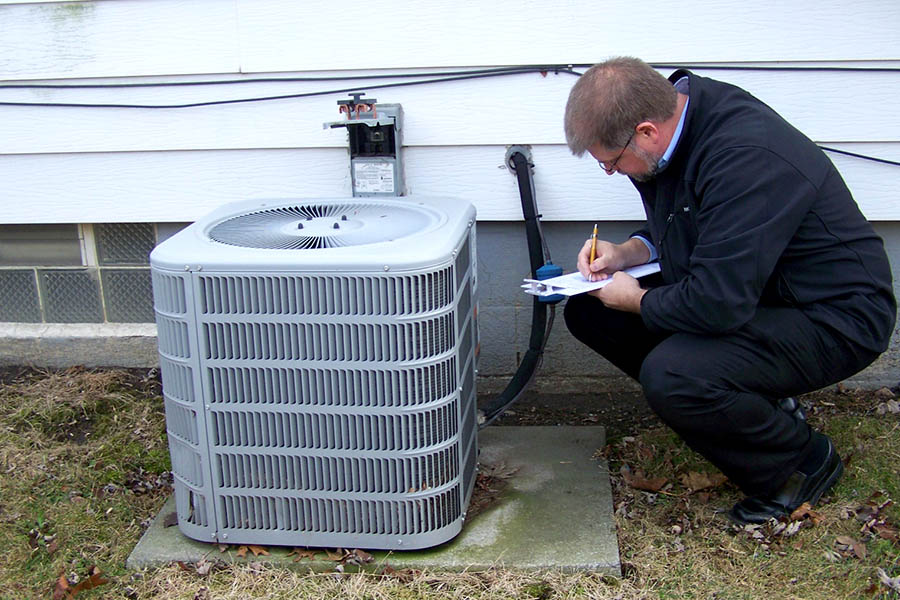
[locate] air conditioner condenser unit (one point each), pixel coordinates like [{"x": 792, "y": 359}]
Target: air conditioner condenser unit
[{"x": 318, "y": 367}]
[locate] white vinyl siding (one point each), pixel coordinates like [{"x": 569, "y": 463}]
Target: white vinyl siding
[
  {"x": 60, "y": 165},
  {"x": 112, "y": 38}
]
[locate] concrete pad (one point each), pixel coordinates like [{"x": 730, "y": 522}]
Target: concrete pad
[{"x": 555, "y": 513}]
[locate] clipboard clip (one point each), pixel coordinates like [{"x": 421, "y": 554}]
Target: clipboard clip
[{"x": 536, "y": 287}]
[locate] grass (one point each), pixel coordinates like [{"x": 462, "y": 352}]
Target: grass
[
  {"x": 678, "y": 547},
  {"x": 81, "y": 460},
  {"x": 83, "y": 467}
]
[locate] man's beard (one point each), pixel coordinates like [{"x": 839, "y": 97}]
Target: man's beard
[{"x": 650, "y": 160}]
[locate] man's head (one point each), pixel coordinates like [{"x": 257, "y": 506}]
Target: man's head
[{"x": 614, "y": 112}]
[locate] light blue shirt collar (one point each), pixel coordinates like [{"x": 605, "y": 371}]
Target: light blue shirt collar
[{"x": 682, "y": 86}]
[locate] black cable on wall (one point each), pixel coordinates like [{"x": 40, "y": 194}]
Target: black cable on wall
[{"x": 422, "y": 78}]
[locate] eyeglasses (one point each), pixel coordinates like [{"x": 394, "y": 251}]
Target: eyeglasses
[{"x": 611, "y": 166}]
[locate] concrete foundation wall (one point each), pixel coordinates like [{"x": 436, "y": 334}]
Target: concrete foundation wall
[
  {"x": 506, "y": 313},
  {"x": 504, "y": 320}
]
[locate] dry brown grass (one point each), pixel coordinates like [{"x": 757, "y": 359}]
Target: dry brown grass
[
  {"x": 262, "y": 582},
  {"x": 83, "y": 456},
  {"x": 74, "y": 446}
]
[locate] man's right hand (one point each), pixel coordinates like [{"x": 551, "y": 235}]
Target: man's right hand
[{"x": 611, "y": 258}]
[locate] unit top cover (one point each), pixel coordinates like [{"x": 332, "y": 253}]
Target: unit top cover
[{"x": 325, "y": 234}]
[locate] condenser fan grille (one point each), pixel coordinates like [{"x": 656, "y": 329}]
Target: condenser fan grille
[{"x": 323, "y": 225}]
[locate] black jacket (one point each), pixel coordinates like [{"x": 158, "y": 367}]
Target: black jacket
[{"x": 749, "y": 212}]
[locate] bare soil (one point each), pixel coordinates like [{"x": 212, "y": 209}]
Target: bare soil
[
  {"x": 621, "y": 413},
  {"x": 627, "y": 413}
]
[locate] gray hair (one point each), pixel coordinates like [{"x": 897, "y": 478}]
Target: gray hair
[{"x": 611, "y": 99}]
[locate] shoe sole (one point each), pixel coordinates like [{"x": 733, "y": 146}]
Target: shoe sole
[{"x": 814, "y": 498}]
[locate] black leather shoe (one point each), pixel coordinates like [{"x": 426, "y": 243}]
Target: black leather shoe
[
  {"x": 792, "y": 407},
  {"x": 799, "y": 488}
]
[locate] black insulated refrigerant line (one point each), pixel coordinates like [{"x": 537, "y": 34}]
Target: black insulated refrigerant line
[{"x": 543, "y": 312}]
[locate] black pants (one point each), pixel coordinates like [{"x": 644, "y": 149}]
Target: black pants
[{"x": 718, "y": 392}]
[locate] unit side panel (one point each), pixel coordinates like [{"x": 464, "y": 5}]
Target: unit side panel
[
  {"x": 466, "y": 318},
  {"x": 179, "y": 358}
]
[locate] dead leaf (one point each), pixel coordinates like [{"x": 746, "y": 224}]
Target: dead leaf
[
  {"x": 403, "y": 575},
  {"x": 498, "y": 470},
  {"x": 754, "y": 532},
  {"x": 845, "y": 540},
  {"x": 336, "y": 556},
  {"x": 256, "y": 567},
  {"x": 170, "y": 519},
  {"x": 61, "y": 590},
  {"x": 645, "y": 452},
  {"x": 603, "y": 452},
  {"x": 831, "y": 556},
  {"x": 651, "y": 485},
  {"x": 35, "y": 538},
  {"x": 884, "y": 393},
  {"x": 363, "y": 556},
  {"x": 257, "y": 550},
  {"x": 695, "y": 481},
  {"x": 806, "y": 511},
  {"x": 886, "y": 532},
  {"x": 848, "y": 545},
  {"x": 94, "y": 579},
  {"x": 639, "y": 481},
  {"x": 890, "y": 407},
  {"x": 303, "y": 553},
  {"x": 52, "y": 547},
  {"x": 786, "y": 530},
  {"x": 203, "y": 567},
  {"x": 801, "y": 511},
  {"x": 242, "y": 552},
  {"x": 892, "y": 583}
]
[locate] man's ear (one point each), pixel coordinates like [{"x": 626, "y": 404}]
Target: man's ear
[
  {"x": 647, "y": 130},
  {"x": 648, "y": 136}
]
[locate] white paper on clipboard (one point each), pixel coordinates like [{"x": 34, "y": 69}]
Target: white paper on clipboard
[{"x": 572, "y": 284}]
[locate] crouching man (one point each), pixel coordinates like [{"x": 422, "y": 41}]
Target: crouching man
[{"x": 772, "y": 282}]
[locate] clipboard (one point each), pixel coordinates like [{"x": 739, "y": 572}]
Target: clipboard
[{"x": 573, "y": 284}]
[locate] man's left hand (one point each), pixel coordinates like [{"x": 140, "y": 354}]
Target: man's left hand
[{"x": 622, "y": 293}]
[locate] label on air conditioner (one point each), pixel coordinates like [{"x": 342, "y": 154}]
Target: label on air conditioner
[{"x": 373, "y": 177}]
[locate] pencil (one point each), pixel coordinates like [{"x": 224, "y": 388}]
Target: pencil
[{"x": 593, "y": 244}]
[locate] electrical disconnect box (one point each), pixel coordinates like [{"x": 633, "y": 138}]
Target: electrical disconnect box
[{"x": 374, "y": 135}]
